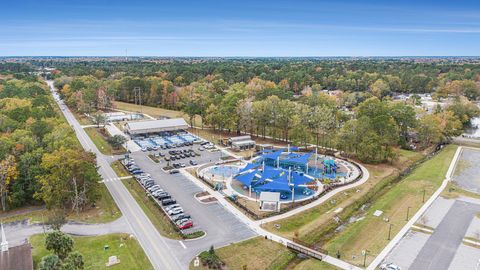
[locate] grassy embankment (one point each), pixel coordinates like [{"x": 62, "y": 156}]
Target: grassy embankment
[
  {"x": 371, "y": 233},
  {"x": 101, "y": 143},
  {"x": 127, "y": 250}
]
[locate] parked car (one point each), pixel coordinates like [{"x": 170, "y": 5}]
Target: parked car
[
  {"x": 175, "y": 211},
  {"x": 137, "y": 172},
  {"x": 389, "y": 266},
  {"x": 181, "y": 216},
  {"x": 174, "y": 171},
  {"x": 186, "y": 225},
  {"x": 193, "y": 162},
  {"x": 170, "y": 207},
  {"x": 168, "y": 202}
]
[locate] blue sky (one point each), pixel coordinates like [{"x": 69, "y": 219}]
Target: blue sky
[{"x": 240, "y": 28}]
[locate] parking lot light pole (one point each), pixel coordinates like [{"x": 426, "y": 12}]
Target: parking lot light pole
[
  {"x": 408, "y": 212},
  {"x": 364, "y": 252},
  {"x": 389, "y": 230}
]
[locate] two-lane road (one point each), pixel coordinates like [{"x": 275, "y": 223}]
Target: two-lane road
[{"x": 152, "y": 242}]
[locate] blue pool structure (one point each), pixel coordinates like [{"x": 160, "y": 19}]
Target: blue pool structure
[{"x": 295, "y": 175}]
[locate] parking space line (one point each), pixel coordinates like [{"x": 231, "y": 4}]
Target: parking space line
[{"x": 182, "y": 244}]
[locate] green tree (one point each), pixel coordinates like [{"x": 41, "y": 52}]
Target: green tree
[
  {"x": 59, "y": 243},
  {"x": 99, "y": 118},
  {"x": 116, "y": 141},
  {"x": 50, "y": 262}
]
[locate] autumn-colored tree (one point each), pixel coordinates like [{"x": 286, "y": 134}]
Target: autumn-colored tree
[
  {"x": 8, "y": 174},
  {"x": 70, "y": 179}
]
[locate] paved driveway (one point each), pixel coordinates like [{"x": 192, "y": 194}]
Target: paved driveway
[
  {"x": 439, "y": 250},
  {"x": 221, "y": 226},
  {"x": 467, "y": 172}
]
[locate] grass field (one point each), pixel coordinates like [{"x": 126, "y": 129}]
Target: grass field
[
  {"x": 119, "y": 169},
  {"x": 101, "y": 143},
  {"x": 371, "y": 233},
  {"x": 152, "y": 210},
  {"x": 254, "y": 254},
  {"x": 156, "y": 112},
  {"x": 125, "y": 248},
  {"x": 105, "y": 210},
  {"x": 312, "y": 264},
  {"x": 308, "y": 226}
]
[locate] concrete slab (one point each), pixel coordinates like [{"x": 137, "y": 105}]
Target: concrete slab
[
  {"x": 406, "y": 251},
  {"x": 439, "y": 250},
  {"x": 436, "y": 212}
]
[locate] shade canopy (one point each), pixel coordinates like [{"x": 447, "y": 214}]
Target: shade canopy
[{"x": 246, "y": 178}]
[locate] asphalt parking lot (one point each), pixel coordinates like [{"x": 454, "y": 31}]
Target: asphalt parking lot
[
  {"x": 221, "y": 226},
  {"x": 467, "y": 172},
  {"x": 440, "y": 248}
]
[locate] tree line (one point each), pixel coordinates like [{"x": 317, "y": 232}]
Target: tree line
[
  {"x": 41, "y": 160},
  {"x": 367, "y": 125}
]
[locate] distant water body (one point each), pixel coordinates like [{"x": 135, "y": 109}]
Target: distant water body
[{"x": 474, "y": 130}]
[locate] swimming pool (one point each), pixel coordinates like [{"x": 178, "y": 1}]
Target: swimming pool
[{"x": 223, "y": 170}]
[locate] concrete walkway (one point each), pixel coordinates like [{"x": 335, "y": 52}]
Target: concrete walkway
[
  {"x": 18, "y": 232},
  {"x": 419, "y": 213}
]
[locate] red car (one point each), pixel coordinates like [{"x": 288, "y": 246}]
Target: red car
[{"x": 186, "y": 225}]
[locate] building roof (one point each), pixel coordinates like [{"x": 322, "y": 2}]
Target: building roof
[
  {"x": 240, "y": 138},
  {"x": 270, "y": 196},
  {"x": 151, "y": 126},
  {"x": 17, "y": 258},
  {"x": 242, "y": 143}
]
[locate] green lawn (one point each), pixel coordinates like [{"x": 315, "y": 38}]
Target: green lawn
[
  {"x": 101, "y": 143},
  {"x": 152, "y": 210},
  {"x": 119, "y": 169},
  {"x": 155, "y": 111},
  {"x": 105, "y": 210},
  {"x": 371, "y": 233},
  {"x": 123, "y": 246},
  {"x": 255, "y": 253},
  {"x": 313, "y": 264}
]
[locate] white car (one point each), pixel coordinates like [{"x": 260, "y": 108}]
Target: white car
[{"x": 389, "y": 266}]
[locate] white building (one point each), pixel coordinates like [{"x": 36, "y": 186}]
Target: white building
[{"x": 154, "y": 126}]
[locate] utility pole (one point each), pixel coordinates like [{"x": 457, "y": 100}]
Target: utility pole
[
  {"x": 423, "y": 199},
  {"x": 408, "y": 212},
  {"x": 137, "y": 92}
]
